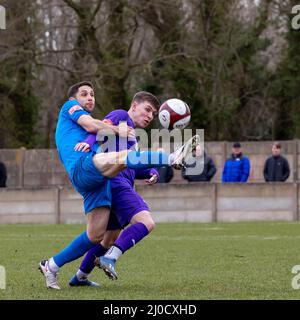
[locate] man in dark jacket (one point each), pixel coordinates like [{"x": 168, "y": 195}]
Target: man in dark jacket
[
  {"x": 165, "y": 173},
  {"x": 209, "y": 168},
  {"x": 276, "y": 167},
  {"x": 3, "y": 175},
  {"x": 237, "y": 167}
]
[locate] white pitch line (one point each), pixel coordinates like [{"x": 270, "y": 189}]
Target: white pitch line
[
  {"x": 160, "y": 238},
  {"x": 218, "y": 238}
]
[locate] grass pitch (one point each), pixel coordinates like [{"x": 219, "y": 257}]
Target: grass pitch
[{"x": 177, "y": 261}]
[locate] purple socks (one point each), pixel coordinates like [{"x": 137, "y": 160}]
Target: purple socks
[
  {"x": 87, "y": 264},
  {"x": 128, "y": 238},
  {"x": 131, "y": 235}
]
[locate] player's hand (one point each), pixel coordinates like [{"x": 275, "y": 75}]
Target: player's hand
[
  {"x": 153, "y": 179},
  {"x": 131, "y": 133},
  {"x": 126, "y": 131},
  {"x": 82, "y": 147}
]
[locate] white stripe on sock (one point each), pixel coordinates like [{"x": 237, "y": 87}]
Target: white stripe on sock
[
  {"x": 113, "y": 253},
  {"x": 81, "y": 275}
]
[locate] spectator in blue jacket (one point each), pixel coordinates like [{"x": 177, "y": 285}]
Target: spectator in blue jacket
[{"x": 237, "y": 167}]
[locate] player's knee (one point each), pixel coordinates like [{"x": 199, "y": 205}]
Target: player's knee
[
  {"x": 95, "y": 237},
  {"x": 109, "y": 164},
  {"x": 150, "y": 224},
  {"x": 107, "y": 243},
  {"x": 110, "y": 238},
  {"x": 145, "y": 218}
]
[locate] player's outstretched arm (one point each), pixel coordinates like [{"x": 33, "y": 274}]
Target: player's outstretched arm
[{"x": 92, "y": 125}]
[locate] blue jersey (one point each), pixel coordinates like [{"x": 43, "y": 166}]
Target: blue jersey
[{"x": 69, "y": 133}]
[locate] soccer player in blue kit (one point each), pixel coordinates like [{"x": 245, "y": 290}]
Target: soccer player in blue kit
[
  {"x": 127, "y": 205},
  {"x": 90, "y": 172}
]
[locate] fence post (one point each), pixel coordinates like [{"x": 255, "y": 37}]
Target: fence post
[
  {"x": 20, "y": 159},
  {"x": 57, "y": 205},
  {"x": 214, "y": 203},
  {"x": 295, "y": 160},
  {"x": 224, "y": 155},
  {"x": 296, "y": 202}
]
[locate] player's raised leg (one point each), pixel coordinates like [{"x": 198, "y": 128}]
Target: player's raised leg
[{"x": 110, "y": 164}]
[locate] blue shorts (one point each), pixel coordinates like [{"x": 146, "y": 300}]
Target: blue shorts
[
  {"x": 126, "y": 203},
  {"x": 91, "y": 184}
]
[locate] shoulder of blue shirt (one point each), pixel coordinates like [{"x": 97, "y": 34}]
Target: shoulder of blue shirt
[{"x": 71, "y": 103}]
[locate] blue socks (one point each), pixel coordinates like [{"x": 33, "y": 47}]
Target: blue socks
[
  {"x": 77, "y": 248},
  {"x": 146, "y": 159}
]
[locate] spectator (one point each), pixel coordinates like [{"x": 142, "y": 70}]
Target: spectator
[
  {"x": 3, "y": 175},
  {"x": 276, "y": 167},
  {"x": 165, "y": 173},
  {"x": 209, "y": 168},
  {"x": 237, "y": 167}
]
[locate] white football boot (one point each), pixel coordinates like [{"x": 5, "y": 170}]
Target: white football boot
[
  {"x": 178, "y": 158},
  {"x": 51, "y": 278}
]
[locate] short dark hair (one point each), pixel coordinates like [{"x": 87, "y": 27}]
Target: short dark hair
[
  {"x": 142, "y": 96},
  {"x": 236, "y": 145},
  {"x": 74, "y": 88},
  {"x": 277, "y": 145}
]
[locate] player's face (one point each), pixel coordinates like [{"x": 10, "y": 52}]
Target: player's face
[
  {"x": 143, "y": 113},
  {"x": 85, "y": 96},
  {"x": 275, "y": 151}
]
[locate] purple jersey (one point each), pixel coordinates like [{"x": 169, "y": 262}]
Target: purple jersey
[
  {"x": 125, "y": 201},
  {"x": 126, "y": 177}
]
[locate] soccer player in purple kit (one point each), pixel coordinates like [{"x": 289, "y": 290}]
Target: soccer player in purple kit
[
  {"x": 90, "y": 172},
  {"x": 128, "y": 207}
]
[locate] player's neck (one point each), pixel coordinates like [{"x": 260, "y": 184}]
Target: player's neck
[{"x": 131, "y": 115}]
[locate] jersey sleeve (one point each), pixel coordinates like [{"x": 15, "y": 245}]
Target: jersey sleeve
[
  {"x": 146, "y": 173},
  {"x": 91, "y": 140},
  {"x": 117, "y": 116},
  {"x": 73, "y": 110}
]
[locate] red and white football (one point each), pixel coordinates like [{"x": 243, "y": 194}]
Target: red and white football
[{"x": 174, "y": 114}]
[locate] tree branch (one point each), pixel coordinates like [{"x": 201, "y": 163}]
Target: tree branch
[{"x": 96, "y": 9}]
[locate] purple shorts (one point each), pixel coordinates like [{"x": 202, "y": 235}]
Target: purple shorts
[{"x": 125, "y": 204}]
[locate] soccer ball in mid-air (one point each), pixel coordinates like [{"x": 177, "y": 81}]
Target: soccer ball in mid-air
[{"x": 174, "y": 114}]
